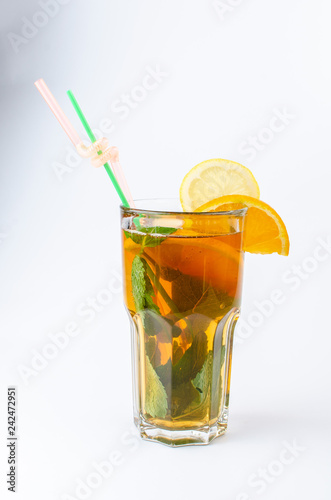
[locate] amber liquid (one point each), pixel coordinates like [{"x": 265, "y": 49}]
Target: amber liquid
[{"x": 181, "y": 348}]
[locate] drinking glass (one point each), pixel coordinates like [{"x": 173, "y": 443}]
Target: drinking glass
[{"x": 182, "y": 290}]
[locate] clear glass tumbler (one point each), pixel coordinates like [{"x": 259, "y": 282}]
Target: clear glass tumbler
[{"x": 182, "y": 290}]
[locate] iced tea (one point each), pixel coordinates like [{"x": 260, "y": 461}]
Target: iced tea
[{"x": 182, "y": 291}]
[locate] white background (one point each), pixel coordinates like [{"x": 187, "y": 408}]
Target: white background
[{"x": 227, "y": 70}]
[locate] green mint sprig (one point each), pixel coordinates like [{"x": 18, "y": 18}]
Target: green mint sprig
[
  {"x": 142, "y": 288},
  {"x": 156, "y": 403},
  {"x": 150, "y": 236}
]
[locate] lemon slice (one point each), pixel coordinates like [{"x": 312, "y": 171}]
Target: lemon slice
[{"x": 214, "y": 178}]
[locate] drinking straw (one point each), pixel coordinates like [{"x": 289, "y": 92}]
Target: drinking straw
[
  {"x": 116, "y": 165},
  {"x": 71, "y": 132},
  {"x": 57, "y": 111},
  {"x": 119, "y": 174}
]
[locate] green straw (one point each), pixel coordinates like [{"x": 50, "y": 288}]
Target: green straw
[{"x": 93, "y": 139}]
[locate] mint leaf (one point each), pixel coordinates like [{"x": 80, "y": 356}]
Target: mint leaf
[
  {"x": 214, "y": 303},
  {"x": 153, "y": 352},
  {"x": 160, "y": 326},
  {"x": 142, "y": 288},
  {"x": 178, "y": 352},
  {"x": 185, "y": 366},
  {"x": 202, "y": 381},
  {"x": 165, "y": 374},
  {"x": 150, "y": 236},
  {"x": 136, "y": 237},
  {"x": 184, "y": 399},
  {"x": 191, "y": 294},
  {"x": 217, "y": 381},
  {"x": 186, "y": 292},
  {"x": 156, "y": 404},
  {"x": 192, "y": 361},
  {"x": 168, "y": 273},
  {"x": 209, "y": 379}
]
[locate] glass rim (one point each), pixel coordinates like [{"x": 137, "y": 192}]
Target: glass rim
[{"x": 238, "y": 212}]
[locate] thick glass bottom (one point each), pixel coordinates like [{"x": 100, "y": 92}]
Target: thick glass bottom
[{"x": 181, "y": 437}]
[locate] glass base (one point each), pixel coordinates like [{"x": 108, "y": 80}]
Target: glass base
[{"x": 181, "y": 437}]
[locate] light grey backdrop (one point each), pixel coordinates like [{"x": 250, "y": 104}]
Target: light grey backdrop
[{"x": 247, "y": 80}]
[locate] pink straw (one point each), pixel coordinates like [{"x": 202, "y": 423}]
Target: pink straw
[
  {"x": 75, "y": 139},
  {"x": 57, "y": 111}
]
